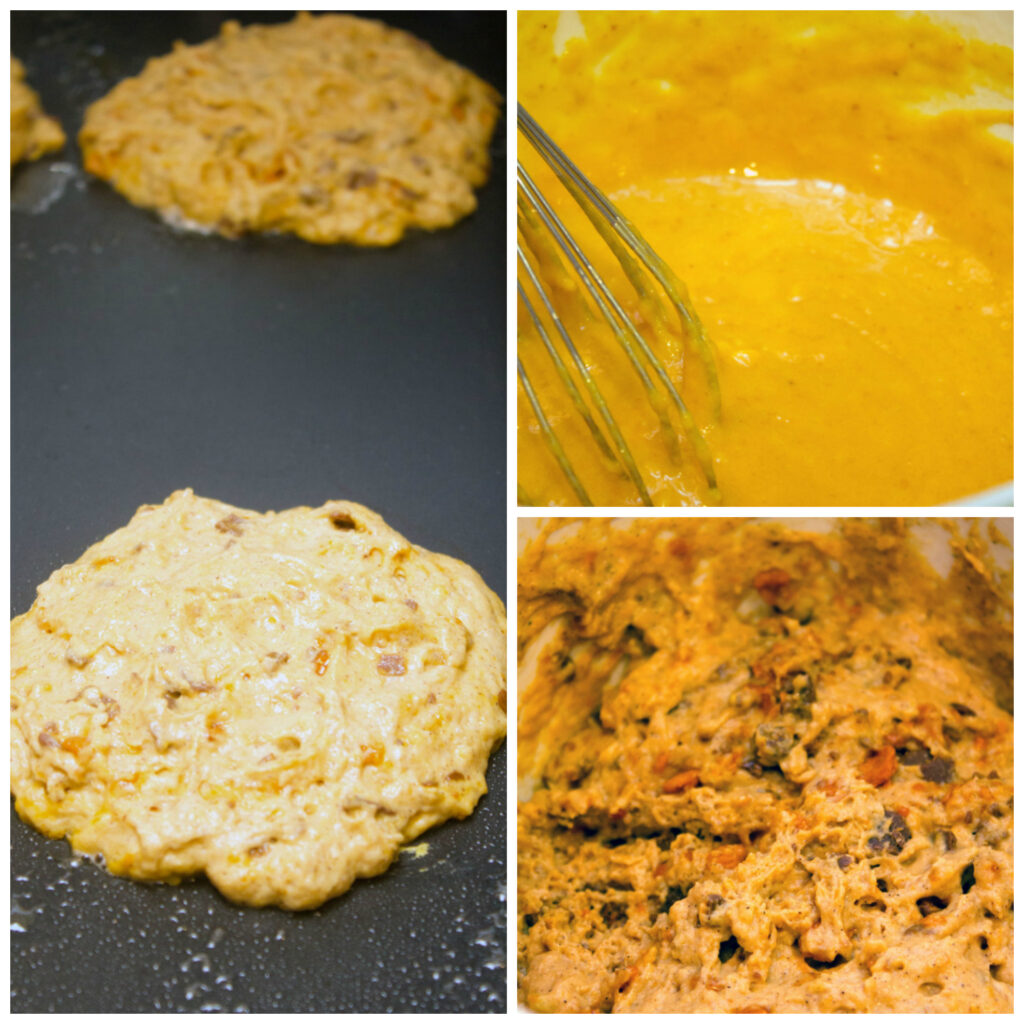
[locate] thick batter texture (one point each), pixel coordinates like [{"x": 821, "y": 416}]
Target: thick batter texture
[
  {"x": 279, "y": 701},
  {"x": 835, "y": 188},
  {"x": 764, "y": 769},
  {"x": 33, "y": 133},
  {"x": 334, "y": 128}
]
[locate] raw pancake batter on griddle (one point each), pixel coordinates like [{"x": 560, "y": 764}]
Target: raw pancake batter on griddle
[
  {"x": 33, "y": 133},
  {"x": 280, "y": 701},
  {"x": 334, "y": 128},
  {"x": 768, "y": 770}
]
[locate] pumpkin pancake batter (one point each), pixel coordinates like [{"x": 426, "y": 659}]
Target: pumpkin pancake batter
[
  {"x": 334, "y": 128},
  {"x": 836, "y": 191},
  {"x": 279, "y": 701},
  {"x": 33, "y": 134},
  {"x": 764, "y": 769}
]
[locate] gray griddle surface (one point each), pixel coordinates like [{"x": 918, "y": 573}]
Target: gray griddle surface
[{"x": 267, "y": 373}]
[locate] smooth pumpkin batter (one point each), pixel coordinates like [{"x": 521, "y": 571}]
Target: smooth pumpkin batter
[
  {"x": 764, "y": 769},
  {"x": 836, "y": 191}
]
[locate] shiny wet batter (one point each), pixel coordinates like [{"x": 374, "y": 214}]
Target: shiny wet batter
[
  {"x": 842, "y": 216},
  {"x": 278, "y": 700}
]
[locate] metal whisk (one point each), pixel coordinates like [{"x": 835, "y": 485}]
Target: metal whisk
[{"x": 539, "y": 228}]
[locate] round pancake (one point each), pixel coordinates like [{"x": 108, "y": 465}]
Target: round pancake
[
  {"x": 33, "y": 134},
  {"x": 334, "y": 128},
  {"x": 279, "y": 701}
]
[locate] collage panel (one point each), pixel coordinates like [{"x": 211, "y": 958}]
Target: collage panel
[
  {"x": 263, "y": 534},
  {"x": 765, "y": 765},
  {"x": 258, "y": 262},
  {"x": 765, "y": 259}
]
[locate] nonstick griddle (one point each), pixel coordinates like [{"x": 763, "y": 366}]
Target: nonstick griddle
[{"x": 268, "y": 373}]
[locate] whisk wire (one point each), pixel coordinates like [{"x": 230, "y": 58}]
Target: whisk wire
[
  {"x": 634, "y": 254},
  {"x": 557, "y": 229},
  {"x": 603, "y": 213},
  {"x": 556, "y": 358},
  {"x": 551, "y": 438},
  {"x": 625, "y": 331}
]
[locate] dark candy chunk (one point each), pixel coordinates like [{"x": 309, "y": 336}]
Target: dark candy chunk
[
  {"x": 934, "y": 769},
  {"x": 796, "y": 695},
  {"x": 773, "y": 741},
  {"x": 894, "y": 837},
  {"x": 938, "y": 769}
]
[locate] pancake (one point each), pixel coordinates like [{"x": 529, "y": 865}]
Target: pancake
[
  {"x": 280, "y": 701},
  {"x": 334, "y": 128},
  {"x": 33, "y": 134},
  {"x": 764, "y": 770}
]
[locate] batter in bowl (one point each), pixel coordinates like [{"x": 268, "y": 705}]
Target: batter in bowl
[
  {"x": 764, "y": 769},
  {"x": 835, "y": 190}
]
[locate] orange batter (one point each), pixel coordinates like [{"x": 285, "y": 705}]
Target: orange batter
[{"x": 836, "y": 191}]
